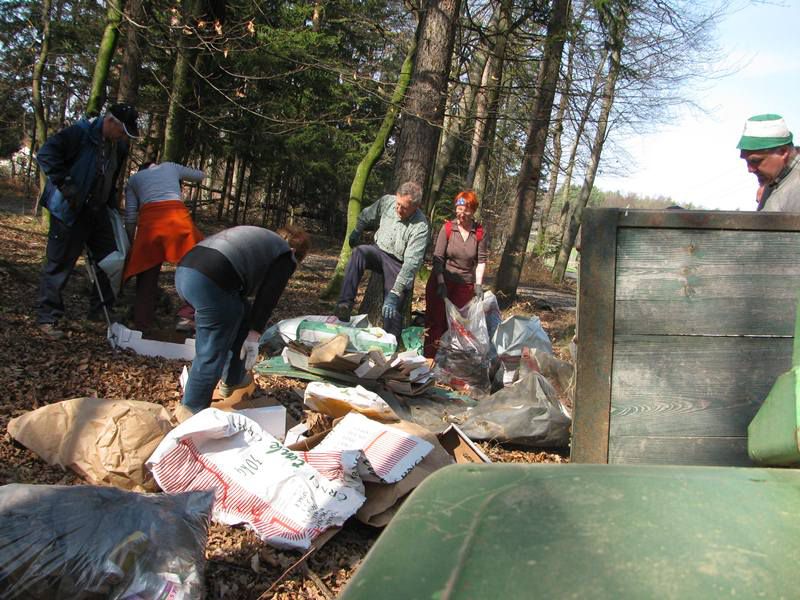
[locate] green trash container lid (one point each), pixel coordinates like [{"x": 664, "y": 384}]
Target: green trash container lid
[{"x": 590, "y": 531}]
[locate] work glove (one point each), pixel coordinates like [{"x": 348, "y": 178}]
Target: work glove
[
  {"x": 390, "y": 307},
  {"x": 479, "y": 291},
  {"x": 355, "y": 238},
  {"x": 441, "y": 291},
  {"x": 69, "y": 189},
  {"x": 249, "y": 353}
]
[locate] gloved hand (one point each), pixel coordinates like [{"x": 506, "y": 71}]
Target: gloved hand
[
  {"x": 249, "y": 353},
  {"x": 69, "y": 189},
  {"x": 355, "y": 238},
  {"x": 391, "y": 304},
  {"x": 479, "y": 291},
  {"x": 441, "y": 291}
]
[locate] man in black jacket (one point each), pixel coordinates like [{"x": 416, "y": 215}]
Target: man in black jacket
[{"x": 82, "y": 163}]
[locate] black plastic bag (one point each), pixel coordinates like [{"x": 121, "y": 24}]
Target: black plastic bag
[{"x": 88, "y": 542}]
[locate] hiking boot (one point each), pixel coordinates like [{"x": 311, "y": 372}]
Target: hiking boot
[
  {"x": 225, "y": 389},
  {"x": 343, "y": 311},
  {"x": 185, "y": 325},
  {"x": 182, "y": 412},
  {"x": 51, "y": 331}
]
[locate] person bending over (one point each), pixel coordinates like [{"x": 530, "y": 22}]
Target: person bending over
[{"x": 218, "y": 277}]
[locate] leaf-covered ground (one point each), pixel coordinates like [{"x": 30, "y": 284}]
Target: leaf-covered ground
[{"x": 36, "y": 370}]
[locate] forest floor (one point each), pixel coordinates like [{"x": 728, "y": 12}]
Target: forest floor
[{"x": 36, "y": 371}]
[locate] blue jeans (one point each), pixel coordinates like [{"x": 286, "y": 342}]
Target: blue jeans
[
  {"x": 370, "y": 257},
  {"x": 92, "y": 229},
  {"x": 221, "y": 328}
]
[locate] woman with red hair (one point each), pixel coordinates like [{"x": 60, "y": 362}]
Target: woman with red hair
[{"x": 459, "y": 262}]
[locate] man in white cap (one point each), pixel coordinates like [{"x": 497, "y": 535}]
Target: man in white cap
[{"x": 766, "y": 146}]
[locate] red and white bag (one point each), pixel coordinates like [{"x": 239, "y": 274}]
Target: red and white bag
[
  {"x": 388, "y": 453},
  {"x": 257, "y": 480}
]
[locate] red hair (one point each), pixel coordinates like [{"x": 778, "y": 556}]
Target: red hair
[
  {"x": 470, "y": 199},
  {"x": 297, "y": 239}
]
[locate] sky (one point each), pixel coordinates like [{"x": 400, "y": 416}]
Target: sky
[{"x": 694, "y": 157}]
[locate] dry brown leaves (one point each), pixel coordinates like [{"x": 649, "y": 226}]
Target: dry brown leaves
[{"x": 36, "y": 370}]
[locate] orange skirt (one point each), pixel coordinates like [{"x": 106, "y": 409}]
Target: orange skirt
[{"x": 164, "y": 233}]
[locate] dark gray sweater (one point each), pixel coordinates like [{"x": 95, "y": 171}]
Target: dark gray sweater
[{"x": 253, "y": 260}]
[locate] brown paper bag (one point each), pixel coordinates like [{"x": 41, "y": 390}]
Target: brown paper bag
[{"x": 105, "y": 441}]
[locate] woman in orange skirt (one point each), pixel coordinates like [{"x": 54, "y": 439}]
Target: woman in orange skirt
[{"x": 164, "y": 230}]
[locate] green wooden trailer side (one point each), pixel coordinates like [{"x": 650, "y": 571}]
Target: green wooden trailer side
[{"x": 686, "y": 320}]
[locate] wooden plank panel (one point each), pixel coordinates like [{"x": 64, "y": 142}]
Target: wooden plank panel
[
  {"x": 715, "y": 317},
  {"x": 707, "y": 219},
  {"x": 693, "y": 386},
  {"x": 707, "y": 451},
  {"x": 595, "y": 329},
  {"x": 675, "y": 282}
]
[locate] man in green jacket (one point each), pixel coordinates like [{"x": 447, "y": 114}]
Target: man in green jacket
[{"x": 401, "y": 237}]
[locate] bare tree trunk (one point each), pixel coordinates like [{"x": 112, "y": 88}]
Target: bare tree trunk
[
  {"x": 267, "y": 197},
  {"x": 108, "y": 45},
  {"x": 555, "y": 169},
  {"x": 226, "y": 179},
  {"x": 283, "y": 212},
  {"x": 239, "y": 189},
  {"x": 316, "y": 17},
  {"x": 40, "y": 123},
  {"x": 453, "y": 125},
  {"x": 132, "y": 59},
  {"x": 29, "y": 167},
  {"x": 616, "y": 25},
  {"x": 155, "y": 135},
  {"x": 365, "y": 168},
  {"x": 233, "y": 184},
  {"x": 491, "y": 204},
  {"x": 201, "y": 164},
  {"x": 424, "y": 108},
  {"x": 181, "y": 82},
  {"x": 566, "y": 186},
  {"x": 530, "y": 173},
  {"x": 64, "y": 104},
  {"x": 488, "y": 102},
  {"x": 249, "y": 188}
]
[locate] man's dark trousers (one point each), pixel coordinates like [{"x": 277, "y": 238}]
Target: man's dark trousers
[
  {"x": 92, "y": 230},
  {"x": 374, "y": 259}
]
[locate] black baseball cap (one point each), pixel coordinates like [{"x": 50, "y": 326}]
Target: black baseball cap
[{"x": 127, "y": 115}]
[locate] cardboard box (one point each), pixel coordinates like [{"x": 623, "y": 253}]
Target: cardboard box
[
  {"x": 122, "y": 337},
  {"x": 460, "y": 447}
]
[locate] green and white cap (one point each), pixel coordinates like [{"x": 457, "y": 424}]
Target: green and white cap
[{"x": 764, "y": 131}]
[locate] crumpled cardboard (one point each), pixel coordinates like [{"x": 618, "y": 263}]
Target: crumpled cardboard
[
  {"x": 333, "y": 354},
  {"x": 105, "y": 441}
]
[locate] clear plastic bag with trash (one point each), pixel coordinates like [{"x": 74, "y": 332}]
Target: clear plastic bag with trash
[{"x": 463, "y": 358}]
